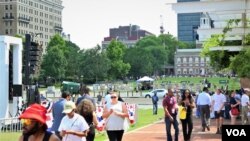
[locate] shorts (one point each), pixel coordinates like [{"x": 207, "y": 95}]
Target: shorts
[
  {"x": 232, "y": 115},
  {"x": 221, "y": 114}
]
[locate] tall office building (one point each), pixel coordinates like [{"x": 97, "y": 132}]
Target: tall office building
[
  {"x": 188, "y": 24},
  {"x": 215, "y": 15},
  {"x": 40, "y": 18},
  {"x": 214, "y": 18}
]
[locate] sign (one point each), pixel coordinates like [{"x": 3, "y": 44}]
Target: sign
[
  {"x": 223, "y": 81},
  {"x": 238, "y": 132}
]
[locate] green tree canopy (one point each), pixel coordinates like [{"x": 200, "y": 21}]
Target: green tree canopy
[
  {"x": 54, "y": 63},
  {"x": 115, "y": 52},
  {"x": 72, "y": 56},
  {"x": 240, "y": 63},
  {"x": 94, "y": 65},
  {"x": 140, "y": 61}
]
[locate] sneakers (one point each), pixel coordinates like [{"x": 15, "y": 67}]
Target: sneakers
[
  {"x": 208, "y": 128},
  {"x": 218, "y": 131}
]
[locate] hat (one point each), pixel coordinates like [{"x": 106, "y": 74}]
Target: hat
[
  {"x": 35, "y": 111},
  {"x": 69, "y": 106}
]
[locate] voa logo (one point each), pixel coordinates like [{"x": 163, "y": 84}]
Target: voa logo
[{"x": 236, "y": 132}]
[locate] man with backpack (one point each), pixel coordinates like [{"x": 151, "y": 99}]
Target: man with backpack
[{"x": 155, "y": 100}]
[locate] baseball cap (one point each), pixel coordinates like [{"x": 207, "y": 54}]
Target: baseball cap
[
  {"x": 35, "y": 111},
  {"x": 68, "y": 107}
]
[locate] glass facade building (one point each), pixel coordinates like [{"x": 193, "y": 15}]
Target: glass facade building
[{"x": 187, "y": 25}]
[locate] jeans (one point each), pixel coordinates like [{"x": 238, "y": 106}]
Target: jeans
[
  {"x": 205, "y": 115},
  {"x": 198, "y": 111},
  {"x": 168, "y": 128},
  {"x": 155, "y": 108}
]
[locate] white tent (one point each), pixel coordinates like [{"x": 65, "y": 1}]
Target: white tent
[{"x": 145, "y": 78}]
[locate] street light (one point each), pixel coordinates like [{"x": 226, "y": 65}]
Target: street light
[
  {"x": 34, "y": 35},
  {"x": 82, "y": 78}
]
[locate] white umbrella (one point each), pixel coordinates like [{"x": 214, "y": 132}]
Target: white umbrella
[{"x": 145, "y": 78}]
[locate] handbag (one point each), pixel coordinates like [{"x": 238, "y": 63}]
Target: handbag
[
  {"x": 182, "y": 112},
  {"x": 235, "y": 111}
]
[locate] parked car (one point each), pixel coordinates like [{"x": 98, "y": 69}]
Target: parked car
[
  {"x": 51, "y": 90},
  {"x": 160, "y": 93}
]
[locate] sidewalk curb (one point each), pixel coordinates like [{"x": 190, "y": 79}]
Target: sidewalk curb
[
  {"x": 135, "y": 130},
  {"x": 132, "y": 131}
]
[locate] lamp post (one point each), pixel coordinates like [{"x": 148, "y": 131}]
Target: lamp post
[
  {"x": 34, "y": 35},
  {"x": 82, "y": 78}
]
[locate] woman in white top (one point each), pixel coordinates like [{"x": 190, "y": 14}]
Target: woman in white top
[{"x": 115, "y": 114}]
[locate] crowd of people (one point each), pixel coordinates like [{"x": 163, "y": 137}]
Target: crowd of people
[
  {"x": 208, "y": 105},
  {"x": 78, "y": 121},
  {"x": 74, "y": 121}
]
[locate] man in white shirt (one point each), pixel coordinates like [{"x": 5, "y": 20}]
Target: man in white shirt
[
  {"x": 107, "y": 98},
  {"x": 218, "y": 105},
  {"x": 204, "y": 103},
  {"x": 244, "y": 106},
  {"x": 73, "y": 126}
]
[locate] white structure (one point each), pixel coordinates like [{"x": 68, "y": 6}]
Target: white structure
[
  {"x": 6, "y": 43},
  {"x": 215, "y": 17}
]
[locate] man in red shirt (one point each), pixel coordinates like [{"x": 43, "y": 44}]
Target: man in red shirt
[{"x": 170, "y": 109}]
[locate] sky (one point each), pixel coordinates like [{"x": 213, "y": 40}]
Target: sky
[{"x": 89, "y": 21}]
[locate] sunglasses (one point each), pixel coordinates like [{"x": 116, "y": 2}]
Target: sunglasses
[
  {"x": 113, "y": 97},
  {"x": 26, "y": 121}
]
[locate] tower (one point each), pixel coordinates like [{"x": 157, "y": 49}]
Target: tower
[{"x": 161, "y": 26}]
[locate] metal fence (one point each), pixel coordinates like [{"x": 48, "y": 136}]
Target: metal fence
[{"x": 10, "y": 125}]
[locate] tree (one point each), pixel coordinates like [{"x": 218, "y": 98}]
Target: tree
[
  {"x": 72, "y": 56},
  {"x": 159, "y": 57},
  {"x": 148, "y": 41},
  {"x": 54, "y": 63},
  {"x": 223, "y": 59},
  {"x": 115, "y": 52},
  {"x": 140, "y": 61},
  {"x": 240, "y": 63},
  {"x": 57, "y": 40},
  {"x": 94, "y": 65}
]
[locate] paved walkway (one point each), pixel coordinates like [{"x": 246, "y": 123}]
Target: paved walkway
[{"x": 156, "y": 132}]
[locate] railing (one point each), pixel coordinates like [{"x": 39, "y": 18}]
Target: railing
[{"x": 10, "y": 125}]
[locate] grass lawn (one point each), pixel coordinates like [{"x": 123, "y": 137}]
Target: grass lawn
[
  {"x": 145, "y": 117},
  {"x": 9, "y": 136},
  {"x": 233, "y": 83}
]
